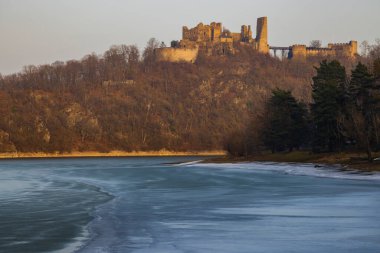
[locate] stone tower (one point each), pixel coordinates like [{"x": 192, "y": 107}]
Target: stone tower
[
  {"x": 246, "y": 34},
  {"x": 262, "y": 35}
]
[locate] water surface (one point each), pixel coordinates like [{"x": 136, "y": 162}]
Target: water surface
[{"x": 153, "y": 205}]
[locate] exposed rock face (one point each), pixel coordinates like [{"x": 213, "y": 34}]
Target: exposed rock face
[
  {"x": 43, "y": 130},
  {"x": 5, "y": 143},
  {"x": 83, "y": 121}
]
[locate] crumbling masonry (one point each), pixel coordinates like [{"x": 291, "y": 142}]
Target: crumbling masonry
[{"x": 213, "y": 39}]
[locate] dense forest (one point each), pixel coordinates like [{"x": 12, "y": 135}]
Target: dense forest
[
  {"x": 343, "y": 114},
  {"x": 125, "y": 100}
]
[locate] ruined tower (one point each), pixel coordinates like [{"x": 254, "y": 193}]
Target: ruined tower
[
  {"x": 345, "y": 49},
  {"x": 246, "y": 34},
  {"x": 216, "y": 31},
  {"x": 262, "y": 35},
  {"x": 298, "y": 52}
]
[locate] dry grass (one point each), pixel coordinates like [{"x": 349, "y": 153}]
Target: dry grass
[{"x": 111, "y": 154}]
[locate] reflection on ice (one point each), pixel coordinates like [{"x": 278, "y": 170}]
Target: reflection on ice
[{"x": 295, "y": 169}]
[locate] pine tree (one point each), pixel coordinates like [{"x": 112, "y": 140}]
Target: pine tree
[
  {"x": 328, "y": 106},
  {"x": 287, "y": 126},
  {"x": 376, "y": 68},
  {"x": 363, "y": 105}
]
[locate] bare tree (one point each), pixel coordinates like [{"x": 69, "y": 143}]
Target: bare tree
[
  {"x": 133, "y": 59},
  {"x": 73, "y": 71},
  {"x": 90, "y": 68},
  {"x": 133, "y": 54},
  {"x": 374, "y": 51},
  {"x": 316, "y": 43},
  {"x": 1, "y": 80},
  {"x": 174, "y": 43},
  {"x": 152, "y": 45},
  {"x": 365, "y": 48},
  {"x": 116, "y": 62},
  {"x": 149, "y": 53},
  {"x": 58, "y": 63}
]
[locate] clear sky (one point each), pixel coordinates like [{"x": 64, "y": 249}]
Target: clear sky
[{"x": 43, "y": 31}]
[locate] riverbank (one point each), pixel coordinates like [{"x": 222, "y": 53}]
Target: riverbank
[
  {"x": 25, "y": 155},
  {"x": 346, "y": 160}
]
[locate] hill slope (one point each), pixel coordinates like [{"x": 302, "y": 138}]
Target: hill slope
[{"x": 116, "y": 103}]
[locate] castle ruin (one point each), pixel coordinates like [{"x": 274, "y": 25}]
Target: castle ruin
[
  {"x": 348, "y": 50},
  {"x": 213, "y": 39}
]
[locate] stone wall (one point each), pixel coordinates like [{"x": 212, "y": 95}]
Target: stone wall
[
  {"x": 203, "y": 33},
  {"x": 176, "y": 54},
  {"x": 216, "y": 31},
  {"x": 345, "y": 49},
  {"x": 236, "y": 36},
  {"x": 298, "y": 52},
  {"x": 199, "y": 33},
  {"x": 245, "y": 34},
  {"x": 349, "y": 50}
]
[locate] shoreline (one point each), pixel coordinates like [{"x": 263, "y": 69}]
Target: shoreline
[
  {"x": 348, "y": 161},
  {"x": 115, "y": 153}
]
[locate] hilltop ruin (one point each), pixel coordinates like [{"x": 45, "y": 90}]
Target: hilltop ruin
[{"x": 213, "y": 39}]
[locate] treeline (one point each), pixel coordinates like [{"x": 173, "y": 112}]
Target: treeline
[
  {"x": 125, "y": 100},
  {"x": 344, "y": 115}
]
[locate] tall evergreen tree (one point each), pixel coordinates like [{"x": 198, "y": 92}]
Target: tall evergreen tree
[
  {"x": 376, "y": 68},
  {"x": 328, "y": 106},
  {"x": 287, "y": 126},
  {"x": 363, "y": 104}
]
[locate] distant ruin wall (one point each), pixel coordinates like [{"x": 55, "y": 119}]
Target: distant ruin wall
[
  {"x": 297, "y": 52},
  {"x": 199, "y": 33},
  {"x": 176, "y": 54},
  {"x": 349, "y": 50},
  {"x": 345, "y": 49}
]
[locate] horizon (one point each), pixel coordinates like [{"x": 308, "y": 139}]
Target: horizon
[{"x": 38, "y": 32}]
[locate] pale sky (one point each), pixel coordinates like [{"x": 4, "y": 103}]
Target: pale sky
[{"x": 43, "y": 31}]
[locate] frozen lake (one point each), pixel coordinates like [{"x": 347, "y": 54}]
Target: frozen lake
[{"x": 154, "y": 205}]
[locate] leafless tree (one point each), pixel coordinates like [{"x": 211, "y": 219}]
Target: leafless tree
[
  {"x": 152, "y": 45},
  {"x": 90, "y": 69},
  {"x": 374, "y": 50},
  {"x": 133, "y": 55},
  {"x": 133, "y": 59},
  {"x": 149, "y": 53},
  {"x": 316, "y": 43},
  {"x": 365, "y": 48}
]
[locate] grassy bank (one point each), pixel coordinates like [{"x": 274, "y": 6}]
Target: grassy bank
[
  {"x": 163, "y": 153},
  {"x": 346, "y": 159}
]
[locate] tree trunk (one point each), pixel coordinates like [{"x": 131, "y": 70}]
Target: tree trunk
[
  {"x": 369, "y": 135},
  {"x": 369, "y": 153}
]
